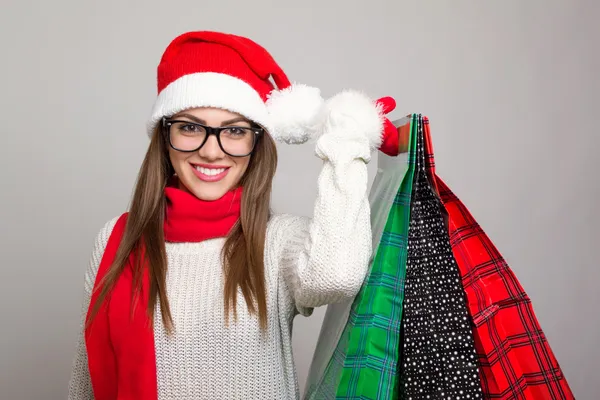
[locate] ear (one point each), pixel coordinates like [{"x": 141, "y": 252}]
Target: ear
[{"x": 294, "y": 113}]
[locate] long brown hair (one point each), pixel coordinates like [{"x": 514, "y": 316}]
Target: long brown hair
[{"x": 243, "y": 252}]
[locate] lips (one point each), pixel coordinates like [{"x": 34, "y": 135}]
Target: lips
[{"x": 210, "y": 173}]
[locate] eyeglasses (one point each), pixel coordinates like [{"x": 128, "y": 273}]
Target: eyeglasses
[{"x": 189, "y": 136}]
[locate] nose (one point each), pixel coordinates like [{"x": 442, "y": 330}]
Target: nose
[{"x": 211, "y": 149}]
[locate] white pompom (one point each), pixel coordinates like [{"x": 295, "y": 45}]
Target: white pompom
[{"x": 294, "y": 113}]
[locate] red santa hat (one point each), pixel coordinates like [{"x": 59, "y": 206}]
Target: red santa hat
[{"x": 212, "y": 69}]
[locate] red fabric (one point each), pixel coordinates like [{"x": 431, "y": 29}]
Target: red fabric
[
  {"x": 119, "y": 342},
  {"x": 515, "y": 358},
  {"x": 189, "y": 219},
  {"x": 390, "y": 141},
  {"x": 205, "y": 51}
]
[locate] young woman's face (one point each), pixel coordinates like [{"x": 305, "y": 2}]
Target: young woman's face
[{"x": 208, "y": 173}]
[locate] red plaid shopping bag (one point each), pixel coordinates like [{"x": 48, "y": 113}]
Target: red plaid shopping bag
[{"x": 515, "y": 359}]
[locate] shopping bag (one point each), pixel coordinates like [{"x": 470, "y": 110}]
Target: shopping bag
[
  {"x": 514, "y": 357},
  {"x": 437, "y": 355},
  {"x": 357, "y": 350}
]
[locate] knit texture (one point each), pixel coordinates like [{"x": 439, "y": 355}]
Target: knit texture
[
  {"x": 215, "y": 69},
  {"x": 308, "y": 263}
]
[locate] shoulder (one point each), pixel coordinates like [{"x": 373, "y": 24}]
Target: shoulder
[
  {"x": 286, "y": 238},
  {"x": 284, "y": 227},
  {"x": 105, "y": 232},
  {"x": 100, "y": 242}
]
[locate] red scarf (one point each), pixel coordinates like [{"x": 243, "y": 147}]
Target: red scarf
[{"x": 120, "y": 344}]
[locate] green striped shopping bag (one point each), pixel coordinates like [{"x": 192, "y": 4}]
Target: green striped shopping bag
[{"x": 357, "y": 351}]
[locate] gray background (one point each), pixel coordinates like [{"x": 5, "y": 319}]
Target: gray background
[{"x": 511, "y": 88}]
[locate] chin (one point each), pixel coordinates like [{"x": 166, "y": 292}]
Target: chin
[
  {"x": 205, "y": 191},
  {"x": 209, "y": 195}
]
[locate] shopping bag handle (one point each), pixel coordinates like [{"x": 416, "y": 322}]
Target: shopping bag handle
[
  {"x": 394, "y": 136},
  {"x": 403, "y": 128}
]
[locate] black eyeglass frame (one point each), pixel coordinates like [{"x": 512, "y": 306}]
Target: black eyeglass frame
[{"x": 210, "y": 130}]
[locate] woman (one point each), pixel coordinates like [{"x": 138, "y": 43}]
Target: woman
[{"x": 192, "y": 293}]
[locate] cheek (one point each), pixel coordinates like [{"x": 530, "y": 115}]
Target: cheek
[
  {"x": 240, "y": 169},
  {"x": 177, "y": 158}
]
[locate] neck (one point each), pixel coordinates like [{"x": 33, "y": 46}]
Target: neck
[{"x": 190, "y": 219}]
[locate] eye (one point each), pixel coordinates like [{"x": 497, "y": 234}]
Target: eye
[
  {"x": 236, "y": 131},
  {"x": 189, "y": 129}
]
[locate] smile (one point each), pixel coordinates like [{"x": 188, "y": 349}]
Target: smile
[{"x": 209, "y": 173}]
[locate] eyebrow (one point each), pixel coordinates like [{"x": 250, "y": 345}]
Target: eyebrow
[
  {"x": 190, "y": 116},
  {"x": 203, "y": 122},
  {"x": 235, "y": 120}
]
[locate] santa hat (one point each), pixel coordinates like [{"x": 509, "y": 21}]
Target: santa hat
[{"x": 212, "y": 69}]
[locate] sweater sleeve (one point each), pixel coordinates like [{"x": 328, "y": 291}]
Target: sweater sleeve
[
  {"x": 80, "y": 385},
  {"x": 325, "y": 259}
]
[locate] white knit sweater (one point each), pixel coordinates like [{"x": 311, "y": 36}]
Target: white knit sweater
[{"x": 308, "y": 263}]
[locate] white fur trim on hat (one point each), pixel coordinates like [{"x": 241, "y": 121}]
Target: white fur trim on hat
[
  {"x": 356, "y": 108},
  {"x": 210, "y": 89},
  {"x": 294, "y": 113},
  {"x": 290, "y": 115}
]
